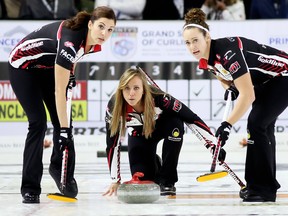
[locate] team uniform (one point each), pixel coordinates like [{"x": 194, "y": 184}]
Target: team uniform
[
  {"x": 31, "y": 70},
  {"x": 231, "y": 58},
  {"x": 170, "y": 117}
]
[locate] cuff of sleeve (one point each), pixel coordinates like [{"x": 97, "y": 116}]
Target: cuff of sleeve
[{"x": 115, "y": 181}]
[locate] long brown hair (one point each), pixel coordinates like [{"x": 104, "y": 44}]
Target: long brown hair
[
  {"x": 119, "y": 111},
  {"x": 82, "y": 18},
  {"x": 196, "y": 16}
]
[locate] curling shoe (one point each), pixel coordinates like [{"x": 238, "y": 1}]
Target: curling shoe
[
  {"x": 166, "y": 190},
  {"x": 71, "y": 189},
  {"x": 253, "y": 197},
  {"x": 243, "y": 193},
  {"x": 31, "y": 198},
  {"x": 256, "y": 198}
]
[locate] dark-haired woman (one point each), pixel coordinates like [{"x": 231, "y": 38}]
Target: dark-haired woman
[
  {"x": 40, "y": 67},
  {"x": 258, "y": 75}
]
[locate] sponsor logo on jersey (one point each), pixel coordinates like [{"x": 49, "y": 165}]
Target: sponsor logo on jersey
[
  {"x": 166, "y": 100},
  {"x": 227, "y": 56},
  {"x": 175, "y": 132},
  {"x": 270, "y": 61},
  {"x": 175, "y": 135},
  {"x": 70, "y": 45},
  {"x": 249, "y": 140},
  {"x": 32, "y": 45},
  {"x": 177, "y": 106},
  {"x": 234, "y": 67},
  {"x": 67, "y": 56},
  {"x": 222, "y": 72}
]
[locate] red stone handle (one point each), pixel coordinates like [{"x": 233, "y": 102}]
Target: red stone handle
[
  {"x": 135, "y": 179},
  {"x": 136, "y": 176}
]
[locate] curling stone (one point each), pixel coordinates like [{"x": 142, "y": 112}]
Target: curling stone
[{"x": 137, "y": 191}]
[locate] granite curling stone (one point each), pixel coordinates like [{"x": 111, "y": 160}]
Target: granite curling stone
[{"x": 137, "y": 191}]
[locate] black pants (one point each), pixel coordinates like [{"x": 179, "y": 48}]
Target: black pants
[
  {"x": 32, "y": 88},
  {"x": 260, "y": 171},
  {"x": 142, "y": 151}
]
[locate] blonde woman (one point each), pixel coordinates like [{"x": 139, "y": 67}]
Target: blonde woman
[{"x": 148, "y": 115}]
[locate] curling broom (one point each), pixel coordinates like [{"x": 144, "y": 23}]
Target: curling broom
[
  {"x": 219, "y": 174},
  {"x": 233, "y": 175},
  {"x": 212, "y": 175},
  {"x": 215, "y": 175},
  {"x": 61, "y": 196}
]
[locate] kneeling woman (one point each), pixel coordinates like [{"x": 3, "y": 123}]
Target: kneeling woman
[{"x": 149, "y": 115}]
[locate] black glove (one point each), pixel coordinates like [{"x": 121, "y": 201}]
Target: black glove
[
  {"x": 222, "y": 153},
  {"x": 223, "y": 132},
  {"x": 234, "y": 93},
  {"x": 72, "y": 80},
  {"x": 66, "y": 138}
]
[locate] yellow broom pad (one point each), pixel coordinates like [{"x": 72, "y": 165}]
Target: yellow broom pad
[
  {"x": 212, "y": 176},
  {"x": 61, "y": 197}
]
